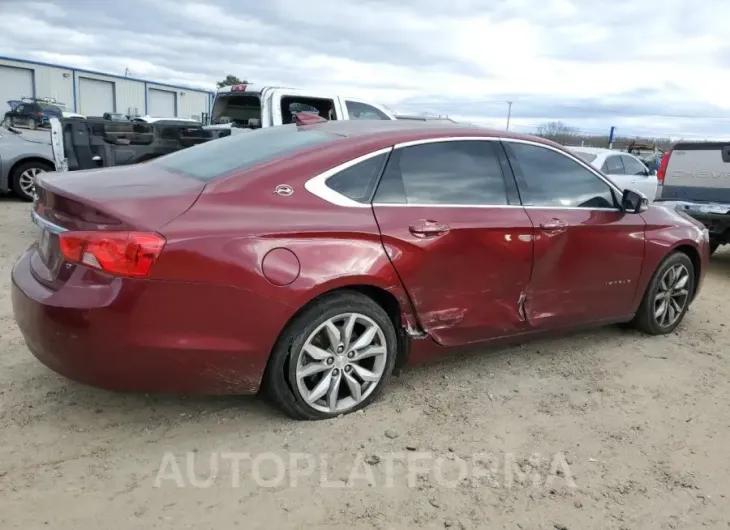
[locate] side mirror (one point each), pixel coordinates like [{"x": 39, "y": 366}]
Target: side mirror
[{"x": 634, "y": 202}]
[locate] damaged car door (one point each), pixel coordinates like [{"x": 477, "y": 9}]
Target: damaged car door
[
  {"x": 588, "y": 251},
  {"x": 455, "y": 232}
]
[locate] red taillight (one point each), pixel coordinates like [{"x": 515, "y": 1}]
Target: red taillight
[
  {"x": 663, "y": 167},
  {"x": 238, "y": 88},
  {"x": 119, "y": 253},
  {"x": 39, "y": 114}
]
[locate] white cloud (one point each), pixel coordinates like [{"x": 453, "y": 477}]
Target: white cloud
[{"x": 632, "y": 63}]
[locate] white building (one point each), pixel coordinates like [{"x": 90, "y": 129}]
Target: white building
[{"x": 94, "y": 93}]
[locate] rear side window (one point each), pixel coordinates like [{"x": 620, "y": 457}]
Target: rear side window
[
  {"x": 363, "y": 111},
  {"x": 445, "y": 173},
  {"x": 614, "y": 166},
  {"x": 357, "y": 182},
  {"x": 633, "y": 166},
  {"x": 242, "y": 151}
]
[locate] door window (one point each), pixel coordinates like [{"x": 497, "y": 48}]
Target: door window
[
  {"x": 445, "y": 173},
  {"x": 614, "y": 166},
  {"x": 357, "y": 182},
  {"x": 363, "y": 111},
  {"x": 633, "y": 166},
  {"x": 19, "y": 109},
  {"x": 548, "y": 178}
]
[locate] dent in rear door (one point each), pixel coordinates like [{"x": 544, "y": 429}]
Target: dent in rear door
[{"x": 464, "y": 249}]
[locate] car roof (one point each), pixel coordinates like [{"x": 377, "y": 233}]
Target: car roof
[
  {"x": 592, "y": 150},
  {"x": 399, "y": 131}
]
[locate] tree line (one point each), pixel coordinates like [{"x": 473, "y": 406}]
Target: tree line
[{"x": 559, "y": 132}]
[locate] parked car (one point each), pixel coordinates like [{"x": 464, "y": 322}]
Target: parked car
[
  {"x": 313, "y": 261},
  {"x": 30, "y": 114},
  {"x": 22, "y": 159},
  {"x": 55, "y": 104},
  {"x": 626, "y": 170},
  {"x": 694, "y": 177}
]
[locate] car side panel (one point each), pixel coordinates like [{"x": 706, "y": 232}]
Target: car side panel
[
  {"x": 281, "y": 248},
  {"x": 586, "y": 272}
]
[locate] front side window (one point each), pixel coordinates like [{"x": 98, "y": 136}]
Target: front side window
[
  {"x": 633, "y": 166},
  {"x": 242, "y": 151},
  {"x": 444, "y": 173},
  {"x": 613, "y": 166},
  {"x": 548, "y": 178},
  {"x": 363, "y": 111},
  {"x": 357, "y": 182}
]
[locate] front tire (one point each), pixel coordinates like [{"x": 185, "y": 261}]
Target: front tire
[
  {"x": 668, "y": 296},
  {"x": 334, "y": 358}
]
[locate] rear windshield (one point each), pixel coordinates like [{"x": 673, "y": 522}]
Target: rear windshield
[
  {"x": 588, "y": 157},
  {"x": 237, "y": 108},
  {"x": 242, "y": 151},
  {"x": 50, "y": 109}
]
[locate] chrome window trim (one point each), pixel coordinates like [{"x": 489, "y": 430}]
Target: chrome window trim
[
  {"x": 45, "y": 224},
  {"x": 317, "y": 185},
  {"x": 497, "y": 206},
  {"x": 447, "y": 139}
]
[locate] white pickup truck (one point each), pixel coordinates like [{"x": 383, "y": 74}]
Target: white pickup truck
[
  {"x": 694, "y": 177},
  {"x": 241, "y": 107}
]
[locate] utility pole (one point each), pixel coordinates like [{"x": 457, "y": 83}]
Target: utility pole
[{"x": 509, "y": 114}]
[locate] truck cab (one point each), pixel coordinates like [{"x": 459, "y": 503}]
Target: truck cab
[{"x": 253, "y": 107}]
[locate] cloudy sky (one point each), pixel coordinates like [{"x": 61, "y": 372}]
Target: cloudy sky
[{"x": 657, "y": 68}]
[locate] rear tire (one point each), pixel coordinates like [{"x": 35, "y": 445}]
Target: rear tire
[
  {"x": 23, "y": 178},
  {"x": 294, "y": 378},
  {"x": 667, "y": 296}
]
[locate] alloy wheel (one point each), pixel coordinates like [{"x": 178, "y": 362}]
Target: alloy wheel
[
  {"x": 672, "y": 295},
  {"x": 341, "y": 363},
  {"x": 27, "y": 180}
]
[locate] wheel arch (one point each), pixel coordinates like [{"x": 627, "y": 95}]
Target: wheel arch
[
  {"x": 398, "y": 311},
  {"x": 23, "y": 161},
  {"x": 694, "y": 255}
]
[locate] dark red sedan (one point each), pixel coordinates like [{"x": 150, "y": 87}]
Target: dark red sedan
[{"x": 314, "y": 260}]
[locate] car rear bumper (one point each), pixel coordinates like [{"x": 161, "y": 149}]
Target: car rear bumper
[
  {"x": 714, "y": 216},
  {"x": 147, "y": 336}
]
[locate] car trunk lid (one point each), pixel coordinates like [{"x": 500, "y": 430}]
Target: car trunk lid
[{"x": 125, "y": 198}]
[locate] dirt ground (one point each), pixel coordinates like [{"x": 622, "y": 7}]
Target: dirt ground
[{"x": 607, "y": 429}]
